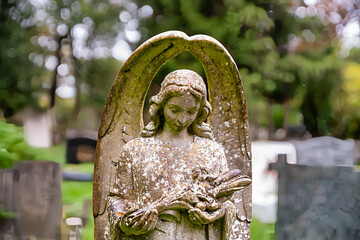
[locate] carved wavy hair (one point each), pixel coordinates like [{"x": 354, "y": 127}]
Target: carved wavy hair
[{"x": 178, "y": 83}]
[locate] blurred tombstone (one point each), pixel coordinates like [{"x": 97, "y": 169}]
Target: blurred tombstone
[
  {"x": 325, "y": 151},
  {"x": 9, "y": 180},
  {"x": 296, "y": 132},
  {"x": 33, "y": 193},
  {"x": 357, "y": 145},
  {"x": 80, "y": 146},
  {"x": 317, "y": 202},
  {"x": 264, "y": 199},
  {"x": 75, "y": 225},
  {"x": 38, "y": 128}
]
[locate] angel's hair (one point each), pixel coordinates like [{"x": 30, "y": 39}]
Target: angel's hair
[{"x": 178, "y": 83}]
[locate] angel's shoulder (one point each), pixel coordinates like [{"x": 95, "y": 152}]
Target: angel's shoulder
[
  {"x": 209, "y": 143},
  {"x": 137, "y": 144}
]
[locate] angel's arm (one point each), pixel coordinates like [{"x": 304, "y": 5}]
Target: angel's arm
[
  {"x": 206, "y": 215},
  {"x": 221, "y": 158},
  {"x": 121, "y": 197}
]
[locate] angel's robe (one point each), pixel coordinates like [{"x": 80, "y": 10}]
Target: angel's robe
[{"x": 148, "y": 169}]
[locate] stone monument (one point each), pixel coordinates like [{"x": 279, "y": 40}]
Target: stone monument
[
  {"x": 182, "y": 178},
  {"x": 317, "y": 202},
  {"x": 32, "y": 191},
  {"x": 325, "y": 151}
]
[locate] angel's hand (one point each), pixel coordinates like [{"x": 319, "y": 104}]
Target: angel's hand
[
  {"x": 228, "y": 187},
  {"x": 139, "y": 222},
  {"x": 200, "y": 217}
]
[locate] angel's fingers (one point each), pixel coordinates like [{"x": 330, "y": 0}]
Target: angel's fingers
[
  {"x": 140, "y": 222},
  {"x": 216, "y": 215},
  {"x": 153, "y": 223},
  {"x": 193, "y": 218},
  {"x": 150, "y": 220},
  {"x": 130, "y": 221},
  {"x": 203, "y": 217},
  {"x": 196, "y": 217},
  {"x": 132, "y": 218}
]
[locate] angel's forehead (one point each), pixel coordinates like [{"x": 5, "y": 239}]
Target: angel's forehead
[
  {"x": 184, "y": 78},
  {"x": 186, "y": 100}
]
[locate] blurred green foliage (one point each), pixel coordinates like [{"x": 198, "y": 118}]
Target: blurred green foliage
[
  {"x": 259, "y": 35},
  {"x": 348, "y": 106},
  {"x": 37, "y": 37},
  {"x": 284, "y": 58},
  {"x": 17, "y": 88},
  {"x": 13, "y": 147}
]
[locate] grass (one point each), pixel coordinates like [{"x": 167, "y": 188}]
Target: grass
[
  {"x": 54, "y": 153},
  {"x": 74, "y": 196},
  {"x": 262, "y": 231}
]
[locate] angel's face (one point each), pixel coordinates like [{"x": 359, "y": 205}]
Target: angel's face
[{"x": 181, "y": 111}]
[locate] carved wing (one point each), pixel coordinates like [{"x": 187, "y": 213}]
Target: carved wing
[
  {"x": 122, "y": 116},
  {"x": 229, "y": 118}
]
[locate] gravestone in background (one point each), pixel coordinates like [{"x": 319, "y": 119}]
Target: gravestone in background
[
  {"x": 32, "y": 191},
  {"x": 357, "y": 155},
  {"x": 321, "y": 203},
  {"x": 325, "y": 151},
  {"x": 80, "y": 150},
  {"x": 8, "y": 189},
  {"x": 80, "y": 146}
]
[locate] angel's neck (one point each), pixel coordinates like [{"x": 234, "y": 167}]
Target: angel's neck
[{"x": 176, "y": 139}]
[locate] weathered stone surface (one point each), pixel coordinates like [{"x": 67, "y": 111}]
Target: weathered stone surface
[
  {"x": 325, "y": 151},
  {"x": 32, "y": 191},
  {"x": 315, "y": 202},
  {"x": 122, "y": 117}
]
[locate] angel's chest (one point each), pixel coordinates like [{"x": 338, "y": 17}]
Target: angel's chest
[{"x": 170, "y": 166}]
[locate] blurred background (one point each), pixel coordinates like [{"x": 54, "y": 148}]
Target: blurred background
[{"x": 299, "y": 62}]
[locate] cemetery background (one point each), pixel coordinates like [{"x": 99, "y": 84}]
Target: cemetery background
[{"x": 299, "y": 61}]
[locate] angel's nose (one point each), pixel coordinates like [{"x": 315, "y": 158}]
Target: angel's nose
[{"x": 182, "y": 120}]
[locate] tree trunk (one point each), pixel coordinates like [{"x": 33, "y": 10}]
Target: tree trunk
[{"x": 270, "y": 118}]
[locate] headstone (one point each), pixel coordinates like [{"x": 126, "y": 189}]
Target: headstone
[
  {"x": 321, "y": 203},
  {"x": 9, "y": 188},
  {"x": 296, "y": 132},
  {"x": 38, "y": 128},
  {"x": 80, "y": 150},
  {"x": 325, "y": 151},
  {"x": 75, "y": 225},
  {"x": 80, "y": 146},
  {"x": 35, "y": 194},
  {"x": 357, "y": 145}
]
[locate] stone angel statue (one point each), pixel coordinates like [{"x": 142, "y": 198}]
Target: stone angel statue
[{"x": 185, "y": 174}]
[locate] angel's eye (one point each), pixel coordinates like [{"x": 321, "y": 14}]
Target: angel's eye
[
  {"x": 175, "y": 109},
  {"x": 191, "y": 111}
]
